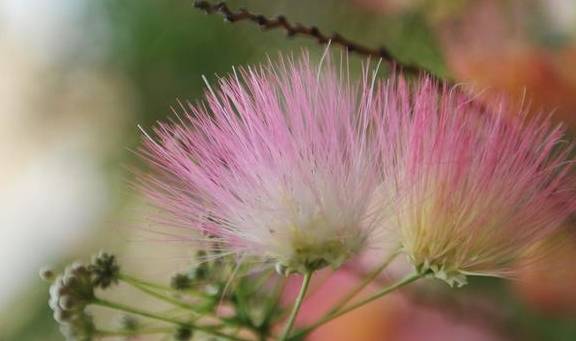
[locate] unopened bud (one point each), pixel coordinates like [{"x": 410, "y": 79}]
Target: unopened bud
[
  {"x": 183, "y": 333},
  {"x": 180, "y": 282},
  {"x": 130, "y": 323},
  {"x": 47, "y": 274}
]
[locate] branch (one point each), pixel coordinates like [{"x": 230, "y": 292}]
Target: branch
[{"x": 293, "y": 29}]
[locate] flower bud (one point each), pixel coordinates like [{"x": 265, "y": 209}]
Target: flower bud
[
  {"x": 47, "y": 274},
  {"x": 105, "y": 270}
]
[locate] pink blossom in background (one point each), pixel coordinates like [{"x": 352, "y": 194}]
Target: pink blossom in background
[{"x": 523, "y": 49}]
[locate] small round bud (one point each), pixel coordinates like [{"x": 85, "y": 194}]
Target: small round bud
[
  {"x": 180, "y": 282},
  {"x": 200, "y": 272},
  {"x": 80, "y": 328},
  {"x": 130, "y": 323},
  {"x": 47, "y": 274},
  {"x": 201, "y": 254},
  {"x": 68, "y": 302},
  {"x": 77, "y": 271},
  {"x": 62, "y": 316},
  {"x": 183, "y": 333}
]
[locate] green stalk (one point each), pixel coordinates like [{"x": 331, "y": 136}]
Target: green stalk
[
  {"x": 136, "y": 284},
  {"x": 136, "y": 311},
  {"x": 157, "y": 286},
  {"x": 364, "y": 283},
  {"x": 143, "y": 286},
  {"x": 297, "y": 305},
  {"x": 128, "y": 278},
  {"x": 113, "y": 333},
  {"x": 331, "y": 316}
]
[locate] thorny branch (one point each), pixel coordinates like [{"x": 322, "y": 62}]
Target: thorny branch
[{"x": 293, "y": 29}]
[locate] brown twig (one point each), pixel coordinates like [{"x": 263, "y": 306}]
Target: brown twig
[{"x": 293, "y": 29}]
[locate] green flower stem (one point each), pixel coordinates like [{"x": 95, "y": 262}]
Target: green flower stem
[
  {"x": 136, "y": 311},
  {"x": 136, "y": 284},
  {"x": 131, "y": 279},
  {"x": 113, "y": 333},
  {"x": 364, "y": 283},
  {"x": 157, "y": 286},
  {"x": 142, "y": 286},
  {"x": 297, "y": 305},
  {"x": 331, "y": 316}
]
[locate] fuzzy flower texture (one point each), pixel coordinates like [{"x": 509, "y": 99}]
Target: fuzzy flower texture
[
  {"x": 474, "y": 189},
  {"x": 276, "y": 165},
  {"x": 294, "y": 163}
]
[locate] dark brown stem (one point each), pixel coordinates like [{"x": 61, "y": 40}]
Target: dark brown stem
[{"x": 293, "y": 29}]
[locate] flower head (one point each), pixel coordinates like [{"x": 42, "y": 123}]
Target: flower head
[
  {"x": 474, "y": 188},
  {"x": 276, "y": 164}
]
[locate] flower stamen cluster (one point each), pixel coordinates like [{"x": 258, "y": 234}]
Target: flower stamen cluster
[
  {"x": 474, "y": 189},
  {"x": 277, "y": 165}
]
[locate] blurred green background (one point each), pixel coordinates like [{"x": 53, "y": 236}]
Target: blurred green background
[{"x": 78, "y": 76}]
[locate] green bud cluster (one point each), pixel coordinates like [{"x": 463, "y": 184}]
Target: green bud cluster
[
  {"x": 69, "y": 295},
  {"x": 201, "y": 289},
  {"x": 74, "y": 289}
]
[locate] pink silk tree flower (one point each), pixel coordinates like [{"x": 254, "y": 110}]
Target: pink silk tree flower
[
  {"x": 474, "y": 188},
  {"x": 276, "y": 164}
]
